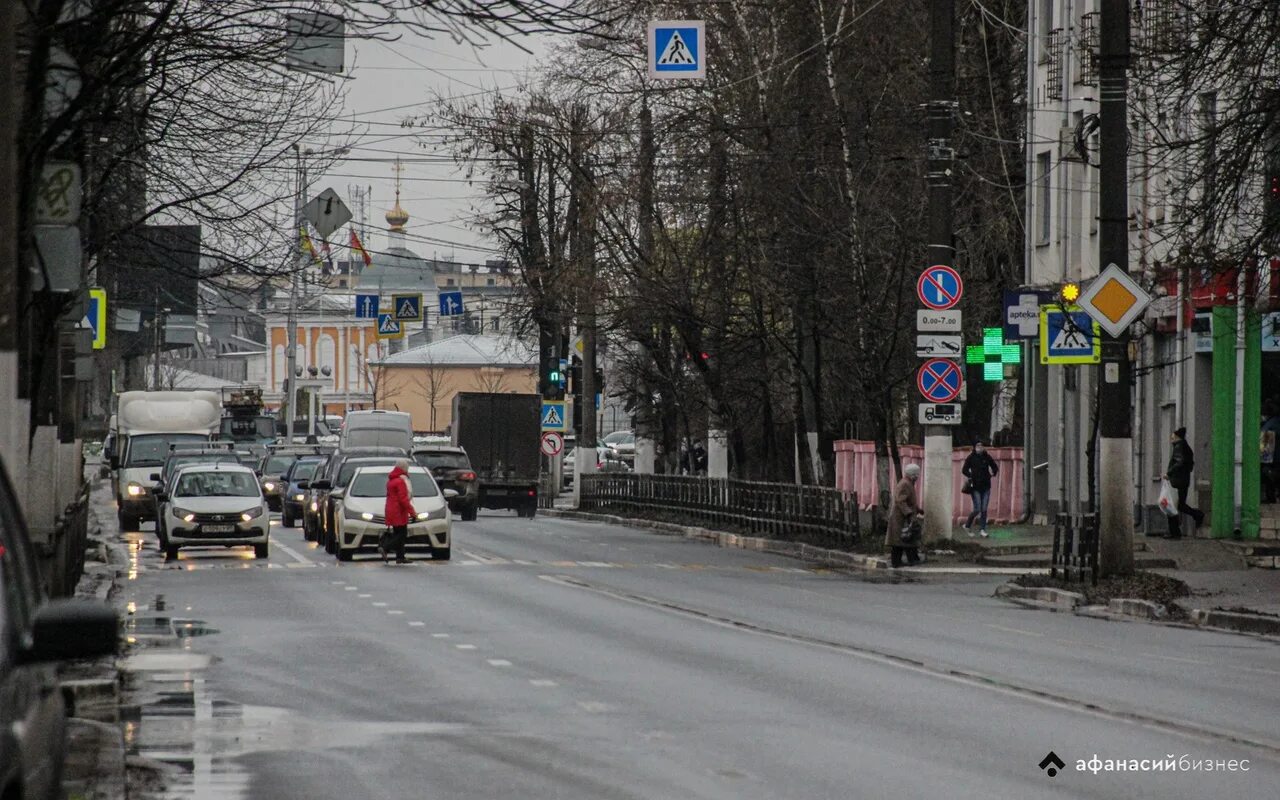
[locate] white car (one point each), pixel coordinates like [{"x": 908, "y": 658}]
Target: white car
[
  {"x": 360, "y": 509},
  {"x": 216, "y": 505}
]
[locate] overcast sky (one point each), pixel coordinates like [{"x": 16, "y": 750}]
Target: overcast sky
[{"x": 391, "y": 81}]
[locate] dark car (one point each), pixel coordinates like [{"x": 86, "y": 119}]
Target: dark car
[
  {"x": 292, "y": 496},
  {"x": 35, "y": 635},
  {"x": 318, "y": 517},
  {"x": 452, "y": 470},
  {"x": 276, "y": 463}
]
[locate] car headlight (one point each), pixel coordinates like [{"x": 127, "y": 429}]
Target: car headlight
[
  {"x": 363, "y": 516},
  {"x": 135, "y": 489},
  {"x": 269, "y": 486},
  {"x": 314, "y": 506},
  {"x": 251, "y": 513},
  {"x": 439, "y": 513},
  {"x": 299, "y": 497},
  {"x": 184, "y": 515}
]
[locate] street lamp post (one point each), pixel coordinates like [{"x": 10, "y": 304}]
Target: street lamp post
[{"x": 291, "y": 393}]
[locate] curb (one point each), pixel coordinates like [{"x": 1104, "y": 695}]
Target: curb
[
  {"x": 1140, "y": 609},
  {"x": 799, "y": 550},
  {"x": 1235, "y": 621},
  {"x": 1040, "y": 596},
  {"x": 95, "y": 762}
]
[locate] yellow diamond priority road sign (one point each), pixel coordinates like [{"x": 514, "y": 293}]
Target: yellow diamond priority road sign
[{"x": 1114, "y": 300}]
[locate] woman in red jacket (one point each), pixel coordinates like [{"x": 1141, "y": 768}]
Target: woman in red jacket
[{"x": 398, "y": 511}]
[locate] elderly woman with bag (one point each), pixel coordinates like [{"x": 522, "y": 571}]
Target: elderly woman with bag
[{"x": 904, "y": 534}]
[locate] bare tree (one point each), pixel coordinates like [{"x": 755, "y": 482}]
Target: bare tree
[{"x": 433, "y": 383}]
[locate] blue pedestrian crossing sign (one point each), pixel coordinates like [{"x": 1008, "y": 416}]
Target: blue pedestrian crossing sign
[
  {"x": 366, "y": 306},
  {"x": 677, "y": 49},
  {"x": 389, "y": 327},
  {"x": 95, "y": 317},
  {"x": 451, "y": 304},
  {"x": 1068, "y": 335},
  {"x": 553, "y": 416},
  {"x": 407, "y": 307}
]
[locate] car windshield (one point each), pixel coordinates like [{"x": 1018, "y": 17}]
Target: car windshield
[
  {"x": 374, "y": 484},
  {"x": 149, "y": 450},
  {"x": 620, "y": 437},
  {"x": 173, "y": 462},
  {"x": 442, "y": 460},
  {"x": 304, "y": 470},
  {"x": 210, "y": 483},
  {"x": 349, "y": 468},
  {"x": 278, "y": 464}
]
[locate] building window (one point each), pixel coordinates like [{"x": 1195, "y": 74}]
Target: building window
[
  {"x": 1043, "y": 196},
  {"x": 448, "y": 281},
  {"x": 1089, "y": 48},
  {"x": 491, "y": 282},
  {"x": 1056, "y": 49}
]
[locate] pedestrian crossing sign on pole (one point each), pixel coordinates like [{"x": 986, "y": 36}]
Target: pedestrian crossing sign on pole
[
  {"x": 389, "y": 327},
  {"x": 553, "y": 416},
  {"x": 407, "y": 307},
  {"x": 677, "y": 49},
  {"x": 1068, "y": 335}
]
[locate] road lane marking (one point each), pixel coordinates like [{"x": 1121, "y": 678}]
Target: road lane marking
[
  {"x": 439, "y": 636},
  {"x": 542, "y": 682},
  {"x": 394, "y": 611},
  {"x": 1015, "y": 630},
  {"x": 465, "y": 646},
  {"x": 377, "y": 604},
  {"x": 416, "y": 624},
  {"x": 337, "y": 583},
  {"x": 350, "y": 589},
  {"x": 364, "y": 596},
  {"x": 941, "y": 670},
  {"x": 499, "y": 662},
  {"x": 289, "y": 551}
]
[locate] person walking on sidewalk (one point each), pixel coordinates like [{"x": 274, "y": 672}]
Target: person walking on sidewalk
[
  {"x": 979, "y": 468},
  {"x": 903, "y": 512},
  {"x": 398, "y": 511},
  {"x": 1178, "y": 473}
]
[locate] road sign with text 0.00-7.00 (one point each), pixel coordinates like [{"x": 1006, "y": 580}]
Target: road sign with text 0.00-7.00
[
  {"x": 940, "y": 380},
  {"x": 940, "y": 287},
  {"x": 930, "y": 321}
]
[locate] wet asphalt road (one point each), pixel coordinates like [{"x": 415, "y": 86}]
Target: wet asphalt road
[{"x": 557, "y": 659}]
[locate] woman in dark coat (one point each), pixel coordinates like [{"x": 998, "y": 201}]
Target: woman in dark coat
[
  {"x": 979, "y": 467},
  {"x": 904, "y": 510}
]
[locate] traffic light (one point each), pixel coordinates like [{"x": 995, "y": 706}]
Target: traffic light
[{"x": 552, "y": 379}]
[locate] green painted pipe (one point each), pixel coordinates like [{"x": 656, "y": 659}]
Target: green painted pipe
[
  {"x": 1223, "y": 444},
  {"x": 1251, "y": 458}
]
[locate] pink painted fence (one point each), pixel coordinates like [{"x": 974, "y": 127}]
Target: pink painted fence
[{"x": 856, "y": 472}]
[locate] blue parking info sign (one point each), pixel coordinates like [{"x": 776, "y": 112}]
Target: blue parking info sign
[{"x": 677, "y": 49}]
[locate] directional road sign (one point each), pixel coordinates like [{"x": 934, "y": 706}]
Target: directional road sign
[
  {"x": 389, "y": 327},
  {"x": 95, "y": 317},
  {"x": 552, "y": 443},
  {"x": 326, "y": 212},
  {"x": 940, "y": 380},
  {"x": 1069, "y": 336},
  {"x": 677, "y": 49},
  {"x": 407, "y": 307},
  {"x": 940, "y": 287},
  {"x": 939, "y": 413},
  {"x": 1114, "y": 300},
  {"x": 366, "y": 306},
  {"x": 554, "y": 417},
  {"x": 451, "y": 304},
  {"x": 933, "y": 345},
  {"x": 929, "y": 321},
  {"x": 1022, "y": 313}
]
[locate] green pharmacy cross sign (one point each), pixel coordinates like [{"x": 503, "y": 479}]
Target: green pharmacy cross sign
[{"x": 993, "y": 354}]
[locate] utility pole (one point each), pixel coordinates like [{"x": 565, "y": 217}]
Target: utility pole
[
  {"x": 645, "y": 450},
  {"x": 291, "y": 378},
  {"x": 1115, "y": 451},
  {"x": 942, "y": 75}
]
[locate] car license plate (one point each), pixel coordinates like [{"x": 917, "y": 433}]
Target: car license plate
[{"x": 217, "y": 528}]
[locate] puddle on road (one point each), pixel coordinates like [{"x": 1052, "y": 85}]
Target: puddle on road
[{"x": 177, "y": 721}]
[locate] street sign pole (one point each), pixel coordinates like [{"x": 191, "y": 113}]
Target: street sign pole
[
  {"x": 937, "y": 501},
  {"x": 1115, "y": 418},
  {"x": 291, "y": 320}
]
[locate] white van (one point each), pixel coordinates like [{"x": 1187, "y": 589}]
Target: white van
[{"x": 376, "y": 429}]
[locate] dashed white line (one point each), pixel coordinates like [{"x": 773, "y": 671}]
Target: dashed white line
[
  {"x": 379, "y": 604},
  {"x": 465, "y": 646},
  {"x": 350, "y": 589},
  {"x": 499, "y": 662},
  {"x": 337, "y": 583},
  {"x": 364, "y": 596},
  {"x": 394, "y": 611},
  {"x": 295, "y": 555},
  {"x": 542, "y": 682},
  {"x": 439, "y": 636},
  {"x": 416, "y": 624}
]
